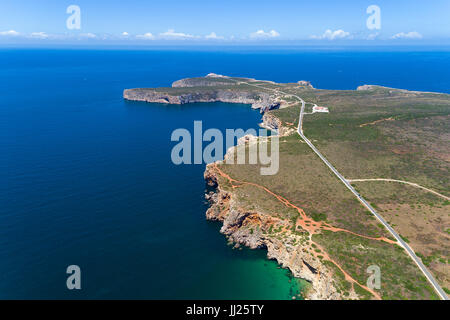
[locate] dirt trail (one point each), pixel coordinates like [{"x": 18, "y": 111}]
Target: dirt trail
[
  {"x": 375, "y": 122},
  {"x": 309, "y": 225},
  {"x": 303, "y": 221},
  {"x": 401, "y": 181}
]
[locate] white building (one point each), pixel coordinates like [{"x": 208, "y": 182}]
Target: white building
[{"x": 316, "y": 108}]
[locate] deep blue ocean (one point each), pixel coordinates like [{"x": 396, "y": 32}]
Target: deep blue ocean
[{"x": 86, "y": 177}]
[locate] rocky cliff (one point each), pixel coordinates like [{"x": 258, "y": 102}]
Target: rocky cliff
[
  {"x": 258, "y": 100},
  {"x": 271, "y": 122},
  {"x": 252, "y": 229},
  {"x": 306, "y": 84}
]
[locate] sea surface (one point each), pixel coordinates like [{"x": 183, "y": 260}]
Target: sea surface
[{"x": 86, "y": 178}]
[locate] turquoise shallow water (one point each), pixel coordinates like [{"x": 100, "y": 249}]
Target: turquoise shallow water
[{"x": 86, "y": 177}]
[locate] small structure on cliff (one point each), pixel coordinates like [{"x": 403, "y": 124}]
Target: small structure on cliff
[
  {"x": 316, "y": 108},
  {"x": 305, "y": 83}
]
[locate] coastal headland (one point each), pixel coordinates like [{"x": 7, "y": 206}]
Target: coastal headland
[{"x": 304, "y": 216}]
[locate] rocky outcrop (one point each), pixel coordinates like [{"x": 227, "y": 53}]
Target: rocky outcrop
[
  {"x": 271, "y": 122},
  {"x": 250, "y": 228},
  {"x": 365, "y": 87},
  {"x": 304, "y": 83},
  {"x": 262, "y": 101}
]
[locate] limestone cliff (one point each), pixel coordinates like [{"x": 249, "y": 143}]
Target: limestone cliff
[
  {"x": 258, "y": 100},
  {"x": 271, "y": 122},
  {"x": 252, "y": 229},
  {"x": 306, "y": 84}
]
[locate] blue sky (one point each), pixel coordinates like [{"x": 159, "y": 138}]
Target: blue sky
[{"x": 224, "y": 21}]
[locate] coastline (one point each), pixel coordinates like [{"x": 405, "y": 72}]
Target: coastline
[
  {"x": 248, "y": 222},
  {"x": 236, "y": 223},
  {"x": 301, "y": 266},
  {"x": 245, "y": 228}
]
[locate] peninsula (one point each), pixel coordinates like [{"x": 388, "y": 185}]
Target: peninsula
[{"x": 362, "y": 187}]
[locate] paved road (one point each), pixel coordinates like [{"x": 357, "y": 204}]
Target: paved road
[
  {"x": 402, "y": 243},
  {"x": 408, "y": 249}
]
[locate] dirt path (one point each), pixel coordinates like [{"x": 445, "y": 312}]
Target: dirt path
[
  {"x": 375, "y": 122},
  {"x": 400, "y": 181},
  {"x": 309, "y": 225},
  {"x": 303, "y": 221}
]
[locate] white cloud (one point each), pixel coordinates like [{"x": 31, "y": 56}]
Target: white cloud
[
  {"x": 146, "y": 36},
  {"x": 262, "y": 34},
  {"x": 213, "y": 35},
  {"x": 333, "y": 35},
  {"x": 39, "y": 35},
  {"x": 125, "y": 34},
  {"x": 88, "y": 35},
  {"x": 409, "y": 35},
  {"x": 12, "y": 33},
  {"x": 172, "y": 34}
]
